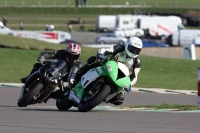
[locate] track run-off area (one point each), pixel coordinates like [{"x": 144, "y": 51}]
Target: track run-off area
[{"x": 106, "y": 118}]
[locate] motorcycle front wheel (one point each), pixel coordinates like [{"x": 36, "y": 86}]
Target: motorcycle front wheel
[
  {"x": 27, "y": 97},
  {"x": 92, "y": 102},
  {"x": 63, "y": 102}
]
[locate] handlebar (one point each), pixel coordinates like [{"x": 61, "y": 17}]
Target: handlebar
[
  {"x": 103, "y": 59},
  {"x": 43, "y": 62}
]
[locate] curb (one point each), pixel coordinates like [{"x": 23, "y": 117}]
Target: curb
[
  {"x": 175, "y": 92},
  {"x": 164, "y": 91},
  {"x": 142, "y": 90},
  {"x": 11, "y": 85}
]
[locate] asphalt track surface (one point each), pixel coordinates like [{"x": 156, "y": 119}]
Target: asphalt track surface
[{"x": 45, "y": 118}]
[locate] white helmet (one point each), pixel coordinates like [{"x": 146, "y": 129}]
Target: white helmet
[{"x": 133, "y": 47}]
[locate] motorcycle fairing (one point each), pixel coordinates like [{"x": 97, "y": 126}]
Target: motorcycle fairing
[
  {"x": 110, "y": 69},
  {"x": 91, "y": 76},
  {"x": 123, "y": 68}
]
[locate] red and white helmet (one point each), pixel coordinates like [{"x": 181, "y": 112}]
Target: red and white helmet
[
  {"x": 73, "y": 52},
  {"x": 133, "y": 47}
]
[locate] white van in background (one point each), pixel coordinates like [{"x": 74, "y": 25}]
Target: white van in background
[
  {"x": 124, "y": 21},
  {"x": 196, "y": 41},
  {"x": 105, "y": 23},
  {"x": 184, "y": 37},
  {"x": 160, "y": 26}
]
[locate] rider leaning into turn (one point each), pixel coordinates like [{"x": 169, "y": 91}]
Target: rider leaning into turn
[
  {"x": 70, "y": 55},
  {"x": 127, "y": 54}
]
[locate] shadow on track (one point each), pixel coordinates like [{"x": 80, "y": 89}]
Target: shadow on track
[{"x": 55, "y": 110}]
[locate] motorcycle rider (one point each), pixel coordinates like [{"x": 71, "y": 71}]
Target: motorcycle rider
[
  {"x": 127, "y": 54},
  {"x": 70, "y": 55}
]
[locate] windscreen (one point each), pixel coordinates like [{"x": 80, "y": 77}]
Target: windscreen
[{"x": 58, "y": 68}]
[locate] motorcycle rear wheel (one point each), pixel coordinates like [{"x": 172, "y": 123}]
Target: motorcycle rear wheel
[
  {"x": 27, "y": 97},
  {"x": 85, "y": 106},
  {"x": 63, "y": 102}
]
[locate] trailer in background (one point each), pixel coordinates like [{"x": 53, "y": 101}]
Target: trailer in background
[
  {"x": 196, "y": 41},
  {"x": 105, "y": 23},
  {"x": 127, "y": 21}
]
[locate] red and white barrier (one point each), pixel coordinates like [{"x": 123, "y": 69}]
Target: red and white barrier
[{"x": 198, "y": 92}]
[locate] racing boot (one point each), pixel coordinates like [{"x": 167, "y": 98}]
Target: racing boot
[{"x": 118, "y": 99}]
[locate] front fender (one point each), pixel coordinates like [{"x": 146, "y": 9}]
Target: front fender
[
  {"x": 32, "y": 77},
  {"x": 45, "y": 79}
]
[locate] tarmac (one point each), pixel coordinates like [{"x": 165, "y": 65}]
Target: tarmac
[{"x": 147, "y": 90}]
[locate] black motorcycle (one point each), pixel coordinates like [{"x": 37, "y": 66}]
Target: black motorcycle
[{"x": 43, "y": 82}]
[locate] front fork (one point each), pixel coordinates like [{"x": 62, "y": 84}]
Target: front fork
[
  {"x": 22, "y": 92},
  {"x": 96, "y": 86}
]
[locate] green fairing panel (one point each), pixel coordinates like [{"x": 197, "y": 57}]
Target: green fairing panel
[
  {"x": 78, "y": 90},
  {"x": 112, "y": 70},
  {"x": 123, "y": 83},
  {"x": 101, "y": 70}
]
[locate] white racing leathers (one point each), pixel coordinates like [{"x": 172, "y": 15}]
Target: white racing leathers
[{"x": 129, "y": 62}]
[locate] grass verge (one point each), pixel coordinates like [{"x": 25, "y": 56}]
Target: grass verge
[{"x": 156, "y": 72}]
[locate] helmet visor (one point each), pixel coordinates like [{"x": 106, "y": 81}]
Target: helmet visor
[{"x": 134, "y": 50}]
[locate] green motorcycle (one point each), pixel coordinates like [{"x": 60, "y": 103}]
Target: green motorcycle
[{"x": 98, "y": 85}]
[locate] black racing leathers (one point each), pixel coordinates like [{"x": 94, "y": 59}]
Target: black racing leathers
[{"x": 72, "y": 67}]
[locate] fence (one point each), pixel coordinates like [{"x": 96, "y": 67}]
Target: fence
[{"x": 102, "y": 3}]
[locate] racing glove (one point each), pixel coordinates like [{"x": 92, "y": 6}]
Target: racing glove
[
  {"x": 101, "y": 56},
  {"x": 42, "y": 57},
  {"x": 72, "y": 81},
  {"x": 128, "y": 89}
]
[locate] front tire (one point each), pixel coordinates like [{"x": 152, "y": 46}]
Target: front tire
[
  {"x": 27, "y": 97},
  {"x": 63, "y": 102},
  {"x": 101, "y": 42},
  {"x": 105, "y": 30},
  {"x": 85, "y": 106},
  {"x": 138, "y": 34}
]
